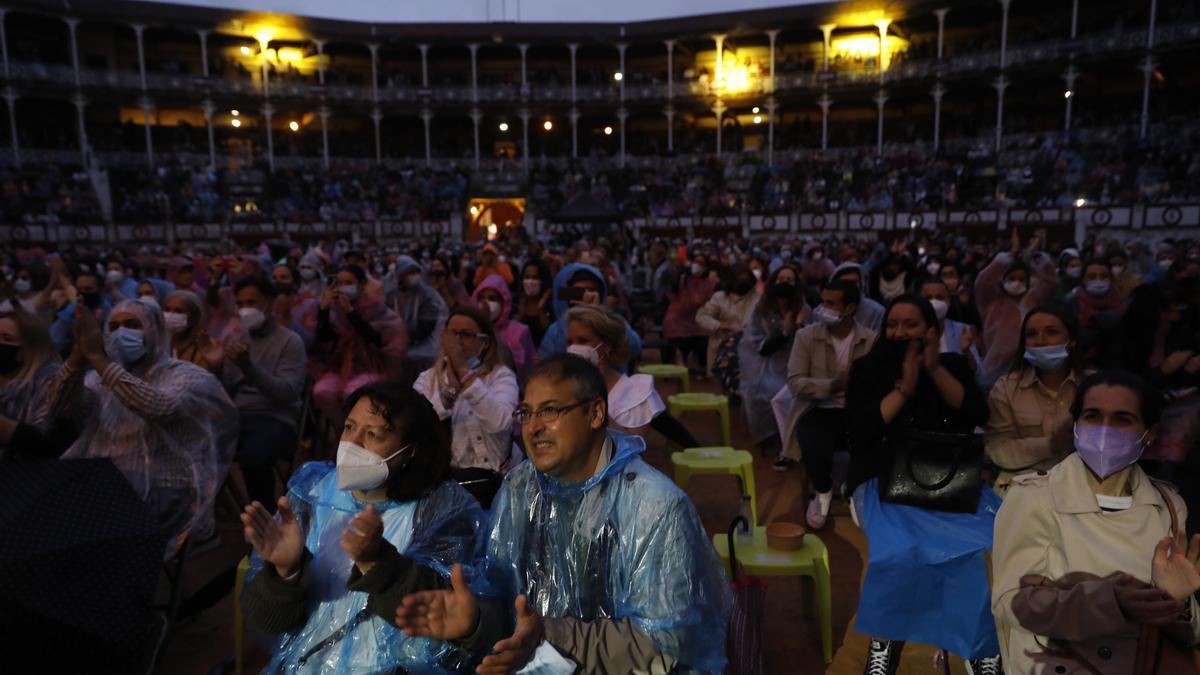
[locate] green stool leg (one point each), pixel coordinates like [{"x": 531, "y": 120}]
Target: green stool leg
[
  {"x": 238, "y": 625},
  {"x": 685, "y": 382},
  {"x": 723, "y": 411},
  {"x": 746, "y": 473},
  {"x": 825, "y": 605}
]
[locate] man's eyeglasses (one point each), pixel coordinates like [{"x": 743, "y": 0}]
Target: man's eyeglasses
[
  {"x": 548, "y": 414},
  {"x": 467, "y": 334}
]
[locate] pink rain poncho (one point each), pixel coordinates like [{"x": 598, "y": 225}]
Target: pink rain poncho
[{"x": 514, "y": 334}]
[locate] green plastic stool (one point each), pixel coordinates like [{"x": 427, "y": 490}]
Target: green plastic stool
[
  {"x": 239, "y": 629},
  {"x": 681, "y": 403},
  {"x": 812, "y": 560},
  {"x": 717, "y": 461},
  {"x": 667, "y": 371}
]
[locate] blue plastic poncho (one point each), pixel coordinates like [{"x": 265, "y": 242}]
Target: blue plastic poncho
[
  {"x": 555, "y": 339},
  {"x": 626, "y": 543},
  {"x": 437, "y": 530}
]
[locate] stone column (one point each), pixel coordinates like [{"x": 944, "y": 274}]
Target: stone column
[
  {"x": 719, "y": 110},
  {"x": 771, "y": 37},
  {"x": 424, "y": 64},
  {"x": 524, "y": 66},
  {"x": 374, "y": 49},
  {"x": 880, "y": 100},
  {"x": 147, "y": 107},
  {"x": 621, "y": 85},
  {"x": 10, "y": 95},
  {"x": 72, "y": 27},
  {"x": 1148, "y": 70},
  {"x": 1000, "y": 84},
  {"x": 203, "y": 35},
  {"x": 523, "y": 113},
  {"x": 427, "y": 118},
  {"x": 772, "y": 106},
  {"x": 209, "y": 108},
  {"x": 268, "y": 111},
  {"x": 474, "y": 47},
  {"x": 81, "y": 103},
  {"x": 323, "y": 113},
  {"x": 827, "y": 33},
  {"x": 4, "y": 42},
  {"x": 573, "y": 48},
  {"x": 320, "y": 60},
  {"x": 670, "y": 68},
  {"x": 941, "y": 39},
  {"x": 669, "y": 111},
  {"x": 574, "y": 117},
  {"x": 622, "y": 115},
  {"x": 1004, "y": 4},
  {"x": 882, "y": 25},
  {"x": 377, "y": 119},
  {"x": 1070, "y": 76},
  {"x": 720, "y": 69},
  {"x": 937, "y": 92},
  {"x": 476, "y": 117},
  {"x": 825, "y": 102},
  {"x": 139, "y": 31},
  {"x": 266, "y": 78}
]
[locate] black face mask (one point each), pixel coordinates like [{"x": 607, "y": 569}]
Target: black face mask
[
  {"x": 91, "y": 300},
  {"x": 895, "y": 349},
  {"x": 783, "y": 291},
  {"x": 743, "y": 287},
  {"x": 9, "y": 362}
]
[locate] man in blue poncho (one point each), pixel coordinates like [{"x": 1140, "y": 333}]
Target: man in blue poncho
[
  {"x": 579, "y": 284},
  {"x": 606, "y": 560}
]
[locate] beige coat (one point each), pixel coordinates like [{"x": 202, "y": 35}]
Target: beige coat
[
  {"x": 812, "y": 371},
  {"x": 723, "y": 315},
  {"x": 1024, "y": 417},
  {"x": 1050, "y": 525}
]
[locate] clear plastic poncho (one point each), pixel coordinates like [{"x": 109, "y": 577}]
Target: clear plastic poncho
[
  {"x": 626, "y": 543},
  {"x": 440, "y": 529}
]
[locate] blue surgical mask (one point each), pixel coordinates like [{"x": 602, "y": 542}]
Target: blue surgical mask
[
  {"x": 126, "y": 346},
  {"x": 1046, "y": 358},
  {"x": 1097, "y": 288},
  {"x": 826, "y": 317}
]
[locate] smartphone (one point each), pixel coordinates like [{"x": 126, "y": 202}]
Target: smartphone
[{"x": 572, "y": 294}]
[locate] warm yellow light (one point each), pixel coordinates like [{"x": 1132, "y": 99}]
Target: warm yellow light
[
  {"x": 236, "y": 123},
  {"x": 754, "y": 110},
  {"x": 474, "y": 210},
  {"x": 758, "y": 119},
  {"x": 618, "y": 76},
  {"x": 608, "y": 131},
  {"x": 294, "y": 125},
  {"x": 547, "y": 125},
  {"x": 493, "y": 231},
  {"x": 290, "y": 54},
  {"x": 264, "y": 36},
  {"x": 245, "y": 50},
  {"x": 234, "y": 113},
  {"x": 504, "y": 126},
  {"x": 1080, "y": 203},
  {"x": 866, "y": 46}
]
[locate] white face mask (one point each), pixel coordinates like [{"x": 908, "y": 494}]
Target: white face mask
[
  {"x": 22, "y": 286},
  {"x": 177, "y": 322},
  {"x": 493, "y": 309},
  {"x": 308, "y": 273},
  {"x": 1015, "y": 288},
  {"x": 533, "y": 286},
  {"x": 592, "y": 354},
  {"x": 150, "y": 299},
  {"x": 361, "y": 469},
  {"x": 350, "y": 291},
  {"x": 757, "y": 273},
  {"x": 893, "y": 288},
  {"x": 940, "y": 307},
  {"x": 114, "y": 277},
  {"x": 252, "y": 318}
]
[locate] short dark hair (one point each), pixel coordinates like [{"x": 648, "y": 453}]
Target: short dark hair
[
  {"x": 587, "y": 378},
  {"x": 357, "y": 271},
  {"x": 1149, "y": 399},
  {"x": 851, "y": 294},
  {"x": 414, "y": 418},
  {"x": 263, "y": 284},
  {"x": 1068, "y": 319}
]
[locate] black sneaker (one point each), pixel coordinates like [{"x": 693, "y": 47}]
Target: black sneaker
[
  {"x": 783, "y": 464},
  {"x": 987, "y": 666},
  {"x": 881, "y": 658}
]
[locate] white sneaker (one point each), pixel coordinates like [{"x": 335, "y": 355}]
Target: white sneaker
[{"x": 818, "y": 510}]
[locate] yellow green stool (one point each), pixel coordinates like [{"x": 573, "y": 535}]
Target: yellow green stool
[
  {"x": 239, "y": 629},
  {"x": 668, "y": 371},
  {"x": 681, "y": 403},
  {"x": 717, "y": 461},
  {"x": 812, "y": 560}
]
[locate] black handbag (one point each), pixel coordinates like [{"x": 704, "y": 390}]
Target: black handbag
[{"x": 934, "y": 470}]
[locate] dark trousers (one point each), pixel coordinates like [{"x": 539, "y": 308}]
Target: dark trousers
[
  {"x": 821, "y": 432},
  {"x": 263, "y": 440},
  {"x": 697, "y": 345}
]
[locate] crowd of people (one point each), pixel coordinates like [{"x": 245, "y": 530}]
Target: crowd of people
[{"x": 487, "y": 506}]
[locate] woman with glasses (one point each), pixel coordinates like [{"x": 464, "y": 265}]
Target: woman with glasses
[{"x": 472, "y": 388}]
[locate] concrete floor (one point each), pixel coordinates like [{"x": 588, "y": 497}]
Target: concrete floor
[{"x": 204, "y": 644}]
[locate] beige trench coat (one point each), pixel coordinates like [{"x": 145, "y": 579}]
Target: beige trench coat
[
  {"x": 1050, "y": 525},
  {"x": 1023, "y": 417}
]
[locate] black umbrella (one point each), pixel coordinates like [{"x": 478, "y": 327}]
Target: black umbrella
[{"x": 80, "y": 556}]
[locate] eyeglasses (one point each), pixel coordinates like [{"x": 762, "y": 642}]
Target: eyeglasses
[
  {"x": 466, "y": 334},
  {"x": 548, "y": 414}
]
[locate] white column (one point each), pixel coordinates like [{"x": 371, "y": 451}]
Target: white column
[
  {"x": 880, "y": 100},
  {"x": 139, "y": 31},
  {"x": 524, "y": 66},
  {"x": 669, "y": 111},
  {"x": 474, "y": 47},
  {"x": 772, "y": 106},
  {"x": 268, "y": 111},
  {"x": 1000, "y": 84},
  {"x": 1070, "y": 76},
  {"x": 72, "y": 26},
  {"x": 374, "y": 49},
  {"x": 573, "y": 48},
  {"x": 427, "y": 118},
  {"x": 323, "y": 113},
  {"x": 720, "y": 69},
  {"x": 574, "y": 117},
  {"x": 320, "y": 60},
  {"x": 937, "y": 92},
  {"x": 771, "y": 36},
  {"x": 424, "y": 64},
  {"x": 4, "y": 41},
  {"x": 1074, "y": 19},
  {"x": 621, "y": 46},
  {"x": 476, "y": 116},
  {"x": 622, "y": 115},
  {"x": 81, "y": 102},
  {"x": 827, "y": 33},
  {"x": 266, "y": 79},
  {"x": 719, "y": 110},
  {"x": 1148, "y": 70},
  {"x": 941, "y": 39},
  {"x": 882, "y": 25},
  {"x": 1004, "y": 33},
  {"x": 10, "y": 95},
  {"x": 524, "y": 115},
  {"x": 203, "y": 35},
  {"x": 147, "y": 107},
  {"x": 209, "y": 108},
  {"x": 377, "y": 119},
  {"x": 825, "y": 102},
  {"x": 670, "y": 69}
]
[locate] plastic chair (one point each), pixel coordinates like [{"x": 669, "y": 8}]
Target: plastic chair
[
  {"x": 811, "y": 561},
  {"x": 668, "y": 371},
  {"x": 681, "y": 403},
  {"x": 717, "y": 461},
  {"x": 239, "y": 628}
]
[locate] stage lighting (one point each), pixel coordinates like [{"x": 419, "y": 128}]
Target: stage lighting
[
  {"x": 618, "y": 76},
  {"x": 294, "y": 125},
  {"x": 504, "y": 126},
  {"x": 608, "y": 131},
  {"x": 236, "y": 123},
  {"x": 547, "y": 125}
]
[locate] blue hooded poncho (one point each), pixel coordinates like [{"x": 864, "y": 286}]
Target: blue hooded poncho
[
  {"x": 555, "y": 339},
  {"x": 438, "y": 530},
  {"x": 626, "y": 543}
]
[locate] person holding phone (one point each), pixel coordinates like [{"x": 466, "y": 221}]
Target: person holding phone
[
  {"x": 86, "y": 290},
  {"x": 579, "y": 284}
]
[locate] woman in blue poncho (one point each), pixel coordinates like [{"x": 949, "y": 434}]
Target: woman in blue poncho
[{"x": 350, "y": 541}]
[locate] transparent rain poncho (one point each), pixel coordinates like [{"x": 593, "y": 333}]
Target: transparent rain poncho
[
  {"x": 340, "y": 636},
  {"x": 626, "y": 543}
]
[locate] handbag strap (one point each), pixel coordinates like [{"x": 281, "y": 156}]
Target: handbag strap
[{"x": 939, "y": 484}]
